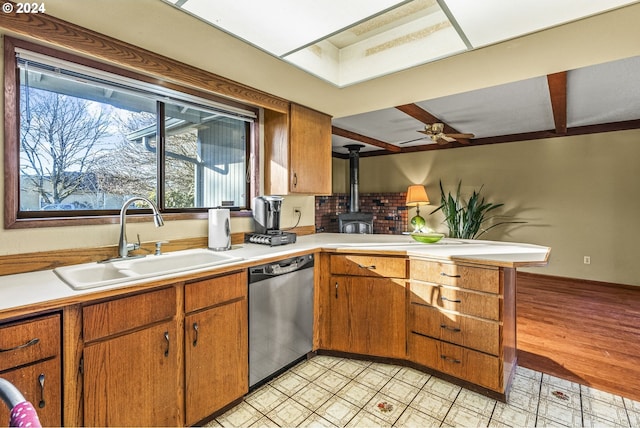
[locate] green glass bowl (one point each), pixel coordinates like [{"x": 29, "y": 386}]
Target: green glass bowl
[{"x": 427, "y": 238}]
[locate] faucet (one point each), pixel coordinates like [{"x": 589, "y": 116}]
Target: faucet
[{"x": 123, "y": 246}]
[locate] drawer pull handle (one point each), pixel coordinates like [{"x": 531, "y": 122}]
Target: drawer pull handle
[
  {"x": 449, "y": 276},
  {"x": 166, "y": 337},
  {"x": 195, "y": 329},
  {"x": 371, "y": 267},
  {"x": 454, "y": 329},
  {"x": 450, "y": 300},
  {"x": 451, "y": 359},
  {"x": 336, "y": 290},
  {"x": 41, "y": 404},
  {"x": 32, "y": 342}
]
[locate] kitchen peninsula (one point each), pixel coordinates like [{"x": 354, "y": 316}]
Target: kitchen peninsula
[{"x": 447, "y": 308}]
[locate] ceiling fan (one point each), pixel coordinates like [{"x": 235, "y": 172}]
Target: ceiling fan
[{"x": 435, "y": 131}]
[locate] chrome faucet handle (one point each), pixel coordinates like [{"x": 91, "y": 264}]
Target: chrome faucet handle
[
  {"x": 159, "y": 247},
  {"x": 133, "y": 246}
]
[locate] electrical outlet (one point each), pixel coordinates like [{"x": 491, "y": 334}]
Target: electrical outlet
[
  {"x": 297, "y": 211},
  {"x": 587, "y": 260}
]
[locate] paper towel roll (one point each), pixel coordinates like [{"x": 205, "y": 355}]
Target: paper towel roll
[{"x": 219, "y": 229}]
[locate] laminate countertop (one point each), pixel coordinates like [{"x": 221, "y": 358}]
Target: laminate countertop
[{"x": 44, "y": 290}]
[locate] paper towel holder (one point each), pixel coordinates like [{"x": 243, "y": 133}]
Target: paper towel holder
[{"x": 219, "y": 229}]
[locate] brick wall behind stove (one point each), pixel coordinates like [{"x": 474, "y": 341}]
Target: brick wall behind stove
[{"x": 390, "y": 214}]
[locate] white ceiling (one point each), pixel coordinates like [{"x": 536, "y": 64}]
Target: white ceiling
[{"x": 347, "y": 42}]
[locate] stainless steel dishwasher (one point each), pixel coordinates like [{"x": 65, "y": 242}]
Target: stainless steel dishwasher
[{"x": 280, "y": 316}]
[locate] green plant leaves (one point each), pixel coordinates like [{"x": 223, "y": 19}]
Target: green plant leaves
[{"x": 465, "y": 218}]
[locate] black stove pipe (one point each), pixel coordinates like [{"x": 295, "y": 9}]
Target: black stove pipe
[{"x": 354, "y": 172}]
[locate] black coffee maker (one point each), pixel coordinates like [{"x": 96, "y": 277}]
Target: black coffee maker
[{"x": 266, "y": 216}]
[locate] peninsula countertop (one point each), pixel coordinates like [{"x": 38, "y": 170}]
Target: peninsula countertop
[{"x": 42, "y": 290}]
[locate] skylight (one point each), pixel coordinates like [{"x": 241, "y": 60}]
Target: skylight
[{"x": 346, "y": 42}]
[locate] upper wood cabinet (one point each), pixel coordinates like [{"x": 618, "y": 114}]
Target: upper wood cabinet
[{"x": 297, "y": 152}]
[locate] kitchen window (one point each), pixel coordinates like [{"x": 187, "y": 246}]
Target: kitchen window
[{"x": 89, "y": 139}]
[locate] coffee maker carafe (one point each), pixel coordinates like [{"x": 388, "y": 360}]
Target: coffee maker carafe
[
  {"x": 266, "y": 216},
  {"x": 266, "y": 213}
]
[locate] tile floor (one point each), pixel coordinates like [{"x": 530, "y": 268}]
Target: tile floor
[{"x": 337, "y": 392}]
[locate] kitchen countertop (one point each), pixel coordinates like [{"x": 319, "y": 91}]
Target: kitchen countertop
[{"x": 44, "y": 289}]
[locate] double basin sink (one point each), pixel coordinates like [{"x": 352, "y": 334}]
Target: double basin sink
[{"x": 91, "y": 275}]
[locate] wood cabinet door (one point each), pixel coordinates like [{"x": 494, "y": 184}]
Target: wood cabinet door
[
  {"x": 133, "y": 380},
  {"x": 368, "y": 316},
  {"x": 310, "y": 151},
  {"x": 40, "y": 385},
  {"x": 216, "y": 359}
]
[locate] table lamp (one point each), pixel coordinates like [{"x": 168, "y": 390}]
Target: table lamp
[{"x": 416, "y": 196}]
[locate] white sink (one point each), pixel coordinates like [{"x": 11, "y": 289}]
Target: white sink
[{"x": 91, "y": 275}]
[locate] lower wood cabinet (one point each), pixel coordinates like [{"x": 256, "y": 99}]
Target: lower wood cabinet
[
  {"x": 132, "y": 380},
  {"x": 367, "y": 311},
  {"x": 131, "y": 361},
  {"x": 454, "y": 318},
  {"x": 168, "y": 357},
  {"x": 216, "y": 345},
  {"x": 30, "y": 358}
]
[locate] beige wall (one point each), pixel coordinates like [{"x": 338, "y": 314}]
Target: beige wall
[{"x": 579, "y": 195}]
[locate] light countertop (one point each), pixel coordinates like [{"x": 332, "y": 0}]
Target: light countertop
[{"x": 42, "y": 289}]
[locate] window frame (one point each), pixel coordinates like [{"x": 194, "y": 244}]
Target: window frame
[{"x": 62, "y": 218}]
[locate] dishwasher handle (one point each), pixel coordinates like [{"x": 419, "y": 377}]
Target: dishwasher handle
[{"x": 280, "y": 268}]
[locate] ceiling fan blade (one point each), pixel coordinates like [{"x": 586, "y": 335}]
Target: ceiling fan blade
[
  {"x": 441, "y": 141},
  {"x": 425, "y": 132},
  {"x": 411, "y": 141},
  {"x": 460, "y": 135}
]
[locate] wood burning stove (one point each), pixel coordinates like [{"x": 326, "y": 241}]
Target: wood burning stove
[{"x": 354, "y": 221}]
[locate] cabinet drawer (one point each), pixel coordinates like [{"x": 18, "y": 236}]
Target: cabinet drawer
[
  {"x": 128, "y": 313},
  {"x": 27, "y": 341},
  {"x": 210, "y": 292},
  {"x": 462, "y": 330},
  {"x": 472, "y": 366},
  {"x": 363, "y": 265},
  {"x": 474, "y": 278},
  {"x": 457, "y": 299},
  {"x": 46, "y": 396}
]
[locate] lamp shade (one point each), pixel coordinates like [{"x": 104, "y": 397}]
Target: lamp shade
[{"x": 417, "y": 195}]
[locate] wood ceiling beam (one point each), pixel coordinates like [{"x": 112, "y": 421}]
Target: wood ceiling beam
[
  {"x": 420, "y": 114},
  {"x": 558, "y": 93},
  {"x": 364, "y": 139}
]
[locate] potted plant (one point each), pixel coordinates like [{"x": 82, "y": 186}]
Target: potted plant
[{"x": 465, "y": 218}]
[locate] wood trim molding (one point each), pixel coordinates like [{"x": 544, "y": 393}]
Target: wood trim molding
[{"x": 63, "y": 34}]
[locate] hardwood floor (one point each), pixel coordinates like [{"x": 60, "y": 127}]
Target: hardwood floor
[{"x": 583, "y": 331}]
